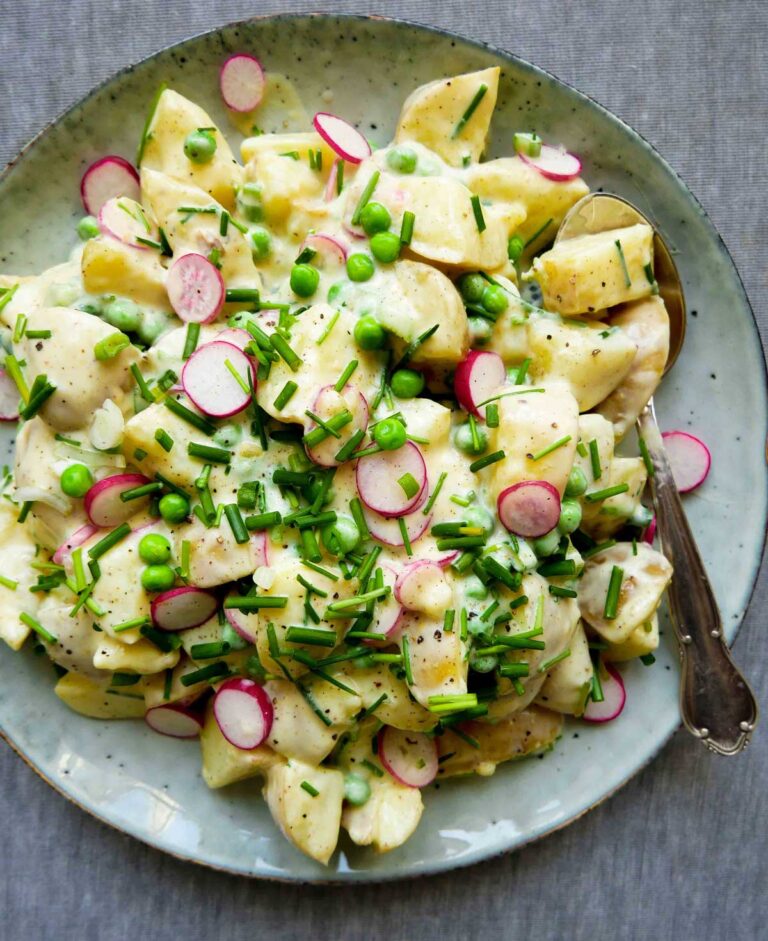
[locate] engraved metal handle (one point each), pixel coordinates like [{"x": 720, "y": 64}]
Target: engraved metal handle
[{"x": 716, "y": 703}]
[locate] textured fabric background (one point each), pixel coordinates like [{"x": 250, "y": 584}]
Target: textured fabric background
[{"x": 680, "y": 853}]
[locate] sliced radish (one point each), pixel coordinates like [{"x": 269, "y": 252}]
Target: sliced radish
[
  {"x": 245, "y": 625},
  {"x": 235, "y": 336},
  {"x": 105, "y": 179},
  {"x": 477, "y": 378},
  {"x": 9, "y": 398},
  {"x": 554, "y": 163},
  {"x": 387, "y": 612},
  {"x": 650, "y": 531},
  {"x": 614, "y": 697},
  {"x": 125, "y": 220},
  {"x": 378, "y": 479},
  {"x": 174, "y": 720},
  {"x": 529, "y": 509},
  {"x": 341, "y": 137},
  {"x": 259, "y": 550},
  {"x": 330, "y": 402},
  {"x": 78, "y": 537},
  {"x": 195, "y": 288},
  {"x": 330, "y": 187},
  {"x": 241, "y": 80},
  {"x": 330, "y": 250},
  {"x": 210, "y": 383},
  {"x": 690, "y": 459},
  {"x": 410, "y": 757},
  {"x": 181, "y": 608},
  {"x": 387, "y": 529},
  {"x": 243, "y": 712},
  {"x": 103, "y": 504},
  {"x": 421, "y": 586}
]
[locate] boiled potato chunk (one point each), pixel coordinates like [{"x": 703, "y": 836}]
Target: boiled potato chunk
[
  {"x": 94, "y": 700},
  {"x": 593, "y": 427},
  {"x": 215, "y": 557},
  {"x": 569, "y": 682},
  {"x": 119, "y": 590},
  {"x": 300, "y": 143},
  {"x": 605, "y": 517},
  {"x": 585, "y": 274},
  {"x": 642, "y": 640},
  {"x": 388, "y": 818},
  {"x": 289, "y": 188},
  {"x": 437, "y": 659},
  {"x": 398, "y": 709},
  {"x": 17, "y": 551},
  {"x": 431, "y": 115},
  {"x": 141, "y": 657},
  {"x": 223, "y": 763},
  {"x": 139, "y": 432},
  {"x": 111, "y": 267}
]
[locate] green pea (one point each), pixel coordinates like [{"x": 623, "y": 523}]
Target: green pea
[
  {"x": 471, "y": 287},
  {"x": 356, "y": 789},
  {"x": 577, "y": 482},
  {"x": 474, "y": 588},
  {"x": 369, "y": 334},
  {"x": 480, "y": 331},
  {"x": 153, "y": 324},
  {"x": 359, "y": 267},
  {"x": 385, "y": 247},
  {"x": 335, "y": 291},
  {"x": 485, "y": 664},
  {"x": 341, "y": 537},
  {"x": 261, "y": 242},
  {"x": 402, "y": 160},
  {"x": 200, "y": 146},
  {"x": 494, "y": 299},
  {"x": 122, "y": 313},
  {"x": 158, "y": 578},
  {"x": 88, "y": 228},
  {"x": 570, "y": 516},
  {"x": 304, "y": 280},
  {"x": 389, "y": 434},
  {"x": 154, "y": 549},
  {"x": 312, "y": 490},
  {"x": 465, "y": 442},
  {"x": 76, "y": 480},
  {"x": 546, "y": 545},
  {"x": 375, "y": 218},
  {"x": 174, "y": 508},
  {"x": 515, "y": 247},
  {"x": 407, "y": 383},
  {"x": 249, "y": 202},
  {"x": 227, "y": 436},
  {"x": 478, "y": 516}
]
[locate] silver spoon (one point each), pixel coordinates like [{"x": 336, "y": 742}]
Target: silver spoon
[{"x": 716, "y": 703}]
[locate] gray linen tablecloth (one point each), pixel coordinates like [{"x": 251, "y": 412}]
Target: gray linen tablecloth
[{"x": 680, "y": 853}]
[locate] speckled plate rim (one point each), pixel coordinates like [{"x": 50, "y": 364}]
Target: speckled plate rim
[{"x": 438, "y": 866}]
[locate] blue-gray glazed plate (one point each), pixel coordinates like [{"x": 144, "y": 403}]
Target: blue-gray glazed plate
[{"x": 150, "y": 786}]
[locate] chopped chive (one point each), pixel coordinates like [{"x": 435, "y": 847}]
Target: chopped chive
[
  {"x": 125, "y": 679},
  {"x": 211, "y": 672},
  {"x": 111, "y": 346},
  {"x": 646, "y": 456},
  {"x": 537, "y": 233},
  {"x": 150, "y": 243},
  {"x": 492, "y": 415},
  {"x": 522, "y": 371},
  {"x": 309, "y": 545},
  {"x": 434, "y": 495},
  {"x": 7, "y": 295},
  {"x": 323, "y": 491},
  {"x": 255, "y": 602},
  {"x": 556, "y": 569},
  {"x": 326, "y": 428},
  {"x": 406, "y": 227},
  {"x": 560, "y": 592},
  {"x": 367, "y": 565},
  {"x": 489, "y": 610},
  {"x": 282, "y": 348},
  {"x": 288, "y": 478},
  {"x": 309, "y": 788},
  {"x": 319, "y": 519},
  {"x": 312, "y": 589},
  {"x": 486, "y": 461},
  {"x": 456, "y": 702},
  {"x": 19, "y": 328},
  {"x": 623, "y": 262},
  {"x": 448, "y": 620},
  {"x": 600, "y": 547},
  {"x": 363, "y": 598},
  {"x": 163, "y": 640},
  {"x": 471, "y": 108},
  {"x": 518, "y": 602},
  {"x": 109, "y": 541},
  {"x": 312, "y": 636},
  {"x": 13, "y": 368},
  {"x": 406, "y": 648},
  {"x": 329, "y": 429},
  {"x": 38, "y": 334},
  {"x": 37, "y": 627},
  {"x": 339, "y": 177},
  {"x": 365, "y": 196},
  {"x": 345, "y": 376},
  {"x": 614, "y": 590},
  {"x": 208, "y": 453},
  {"x": 8, "y": 583},
  {"x": 345, "y": 453},
  {"x": 460, "y": 542},
  {"x": 605, "y": 494},
  {"x": 39, "y": 394},
  {"x": 144, "y": 391},
  {"x": 185, "y": 553},
  {"x": 24, "y": 513},
  {"x": 404, "y": 536},
  {"x": 192, "y": 418},
  {"x": 79, "y": 569},
  {"x": 477, "y": 210},
  {"x": 514, "y": 670},
  {"x": 329, "y": 326},
  {"x": 209, "y": 651},
  {"x": 238, "y": 378},
  {"x": 506, "y": 395},
  {"x": 512, "y": 580},
  {"x": 320, "y": 570},
  {"x": 549, "y": 448},
  {"x": 356, "y": 509},
  {"x": 548, "y": 664},
  {"x": 414, "y": 345},
  {"x": 263, "y": 520},
  {"x": 164, "y": 440},
  {"x": 582, "y": 449},
  {"x": 594, "y": 459},
  {"x": 463, "y": 624},
  {"x": 235, "y": 520},
  {"x": 409, "y": 485},
  {"x": 372, "y": 708}
]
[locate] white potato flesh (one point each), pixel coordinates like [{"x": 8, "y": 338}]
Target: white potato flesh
[
  {"x": 225, "y": 764},
  {"x": 92, "y": 699},
  {"x": 76, "y": 638},
  {"x": 119, "y": 590},
  {"x": 568, "y": 683},
  {"x": 585, "y": 274},
  {"x": 111, "y": 267},
  {"x": 437, "y": 658},
  {"x": 646, "y": 323},
  {"x": 17, "y": 552},
  {"x": 430, "y": 115},
  {"x": 290, "y": 189},
  {"x": 141, "y": 657},
  {"x": 156, "y": 693},
  {"x": 215, "y": 558},
  {"x": 643, "y": 640},
  {"x": 300, "y": 143},
  {"x": 594, "y": 427},
  {"x": 646, "y": 576},
  {"x": 176, "y": 465},
  {"x": 310, "y": 822},
  {"x": 398, "y": 709},
  {"x": 606, "y": 517},
  {"x": 32, "y": 293},
  {"x": 34, "y": 470}
]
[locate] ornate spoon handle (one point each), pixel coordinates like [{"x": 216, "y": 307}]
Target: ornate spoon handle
[{"x": 716, "y": 703}]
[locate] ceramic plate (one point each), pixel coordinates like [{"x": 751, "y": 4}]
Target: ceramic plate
[{"x": 150, "y": 786}]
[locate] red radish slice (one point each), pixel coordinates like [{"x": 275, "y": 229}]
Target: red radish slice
[
  {"x": 210, "y": 384},
  {"x": 259, "y": 550},
  {"x": 329, "y": 249},
  {"x": 195, "y": 288},
  {"x": 614, "y": 697},
  {"x": 9, "y": 398},
  {"x": 78, "y": 537},
  {"x": 341, "y": 137},
  {"x": 650, "y": 531},
  {"x": 421, "y": 586},
  {"x": 241, "y": 80},
  {"x": 477, "y": 378},
  {"x": 125, "y": 220},
  {"x": 690, "y": 459},
  {"x": 105, "y": 179},
  {"x": 410, "y": 757},
  {"x": 243, "y": 712},
  {"x": 103, "y": 504},
  {"x": 378, "y": 475},
  {"x": 174, "y": 720},
  {"x": 554, "y": 163},
  {"x": 181, "y": 608},
  {"x": 529, "y": 509},
  {"x": 241, "y": 624},
  {"x": 330, "y": 187},
  {"x": 387, "y": 530},
  {"x": 235, "y": 336},
  {"x": 327, "y": 403}
]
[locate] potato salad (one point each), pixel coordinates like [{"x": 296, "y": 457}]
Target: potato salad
[{"x": 316, "y": 457}]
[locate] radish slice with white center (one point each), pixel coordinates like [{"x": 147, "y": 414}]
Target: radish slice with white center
[
  {"x": 477, "y": 378},
  {"x": 387, "y": 612},
  {"x": 210, "y": 383},
  {"x": 105, "y": 179},
  {"x": 243, "y": 712},
  {"x": 195, "y": 288},
  {"x": 241, "y": 80},
  {"x": 387, "y": 529},
  {"x": 244, "y": 625},
  {"x": 554, "y": 163},
  {"x": 78, "y": 537},
  {"x": 529, "y": 509},
  {"x": 329, "y": 402},
  {"x": 650, "y": 531},
  {"x": 330, "y": 250},
  {"x": 235, "y": 336},
  {"x": 614, "y": 697},
  {"x": 181, "y": 608},
  {"x": 9, "y": 398},
  {"x": 174, "y": 720},
  {"x": 378, "y": 477},
  {"x": 103, "y": 504},
  {"x": 125, "y": 220},
  {"x": 410, "y": 757},
  {"x": 422, "y": 586},
  {"x": 341, "y": 137},
  {"x": 333, "y": 178},
  {"x": 690, "y": 459}
]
